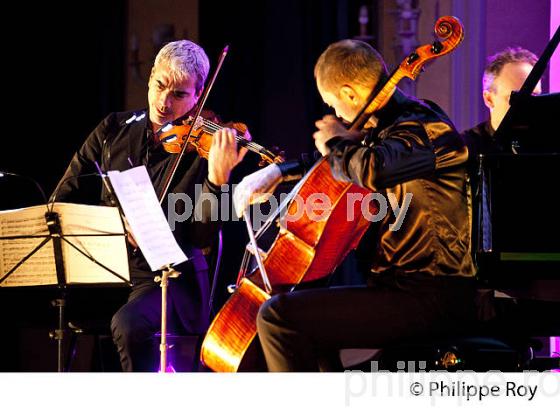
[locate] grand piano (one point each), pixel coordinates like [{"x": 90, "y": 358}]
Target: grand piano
[{"x": 517, "y": 217}]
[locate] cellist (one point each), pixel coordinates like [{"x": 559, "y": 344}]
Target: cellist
[{"x": 419, "y": 276}]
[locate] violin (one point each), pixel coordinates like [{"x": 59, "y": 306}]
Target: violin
[
  {"x": 195, "y": 133},
  {"x": 174, "y": 135}
]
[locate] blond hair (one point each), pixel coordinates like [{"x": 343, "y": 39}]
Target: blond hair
[{"x": 349, "y": 62}]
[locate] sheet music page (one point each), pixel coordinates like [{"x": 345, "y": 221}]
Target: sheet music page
[
  {"x": 39, "y": 269},
  {"x": 75, "y": 219},
  {"x": 86, "y": 220},
  {"x": 146, "y": 218}
]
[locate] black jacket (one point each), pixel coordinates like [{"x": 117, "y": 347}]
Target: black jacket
[{"x": 413, "y": 149}]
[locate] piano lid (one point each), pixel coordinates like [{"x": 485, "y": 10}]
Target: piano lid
[{"x": 532, "y": 124}]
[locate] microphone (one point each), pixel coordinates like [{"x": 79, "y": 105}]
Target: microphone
[
  {"x": 27, "y": 178},
  {"x": 52, "y": 200},
  {"x": 114, "y": 200},
  {"x": 99, "y": 174},
  {"x": 53, "y": 220},
  {"x": 110, "y": 194}
]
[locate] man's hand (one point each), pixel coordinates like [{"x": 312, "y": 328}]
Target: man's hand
[
  {"x": 224, "y": 156},
  {"x": 256, "y": 187},
  {"x": 328, "y": 128}
]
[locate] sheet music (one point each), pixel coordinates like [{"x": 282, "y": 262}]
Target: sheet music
[
  {"x": 145, "y": 217},
  {"x": 40, "y": 269},
  {"x": 109, "y": 250}
]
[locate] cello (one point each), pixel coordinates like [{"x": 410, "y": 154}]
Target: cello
[{"x": 313, "y": 246}]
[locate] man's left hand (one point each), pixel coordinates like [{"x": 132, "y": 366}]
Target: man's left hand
[
  {"x": 328, "y": 128},
  {"x": 223, "y": 155}
]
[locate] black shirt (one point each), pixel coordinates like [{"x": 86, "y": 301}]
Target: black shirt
[
  {"x": 480, "y": 140},
  {"x": 124, "y": 140}
]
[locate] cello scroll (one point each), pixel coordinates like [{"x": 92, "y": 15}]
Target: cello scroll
[{"x": 447, "y": 28}]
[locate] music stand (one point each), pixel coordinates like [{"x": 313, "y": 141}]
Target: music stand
[
  {"x": 137, "y": 198},
  {"x": 59, "y": 239}
]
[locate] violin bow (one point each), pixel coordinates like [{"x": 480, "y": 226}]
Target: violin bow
[{"x": 199, "y": 109}]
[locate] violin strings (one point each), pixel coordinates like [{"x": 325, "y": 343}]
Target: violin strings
[{"x": 212, "y": 127}]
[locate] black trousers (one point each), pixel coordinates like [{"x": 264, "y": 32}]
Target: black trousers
[
  {"x": 136, "y": 323},
  {"x": 297, "y": 328}
]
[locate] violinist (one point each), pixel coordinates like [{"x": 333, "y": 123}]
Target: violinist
[
  {"x": 420, "y": 276},
  {"x": 128, "y": 139}
]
